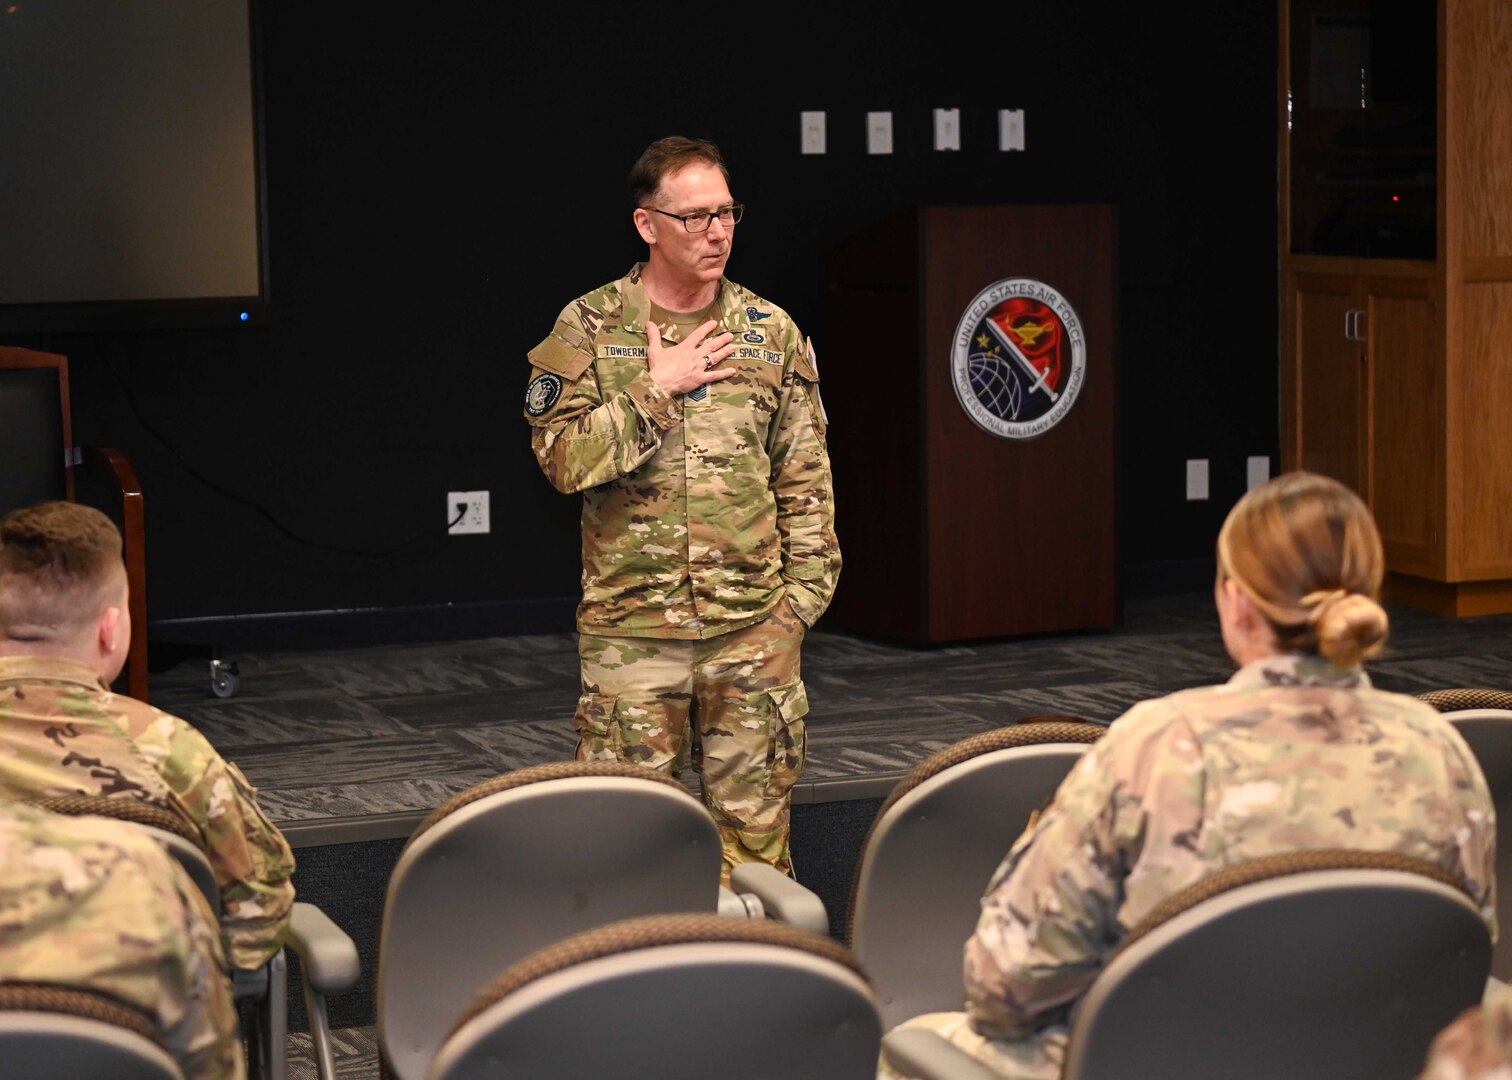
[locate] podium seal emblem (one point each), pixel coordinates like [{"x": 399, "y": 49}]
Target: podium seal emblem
[{"x": 1018, "y": 358}]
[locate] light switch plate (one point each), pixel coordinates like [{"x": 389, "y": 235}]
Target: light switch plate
[
  {"x": 811, "y": 127},
  {"x": 879, "y": 133},
  {"x": 1010, "y": 129},
  {"x": 947, "y": 129},
  {"x": 1197, "y": 479}
]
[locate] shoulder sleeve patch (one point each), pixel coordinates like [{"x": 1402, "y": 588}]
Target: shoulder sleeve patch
[
  {"x": 558, "y": 356},
  {"x": 543, "y": 392},
  {"x": 805, "y": 364}
]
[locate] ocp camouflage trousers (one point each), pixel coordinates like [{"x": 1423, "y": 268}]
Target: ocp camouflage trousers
[{"x": 733, "y": 706}]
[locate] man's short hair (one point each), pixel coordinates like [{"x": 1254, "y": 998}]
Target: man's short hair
[
  {"x": 666, "y": 156},
  {"x": 60, "y": 566}
]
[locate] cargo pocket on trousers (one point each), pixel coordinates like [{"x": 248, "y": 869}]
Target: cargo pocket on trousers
[
  {"x": 648, "y": 731},
  {"x": 598, "y": 730},
  {"x": 788, "y": 748}
]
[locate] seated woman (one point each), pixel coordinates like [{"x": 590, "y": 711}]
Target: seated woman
[{"x": 1296, "y": 750}]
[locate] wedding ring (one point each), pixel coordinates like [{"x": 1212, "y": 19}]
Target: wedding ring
[{"x": 708, "y": 362}]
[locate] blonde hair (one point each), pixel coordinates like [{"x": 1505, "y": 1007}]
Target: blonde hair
[
  {"x": 1307, "y": 553},
  {"x": 60, "y": 567}
]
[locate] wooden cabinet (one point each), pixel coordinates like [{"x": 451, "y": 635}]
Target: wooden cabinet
[{"x": 1396, "y": 342}]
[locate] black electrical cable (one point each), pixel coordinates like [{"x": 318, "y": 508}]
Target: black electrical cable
[{"x": 429, "y": 534}]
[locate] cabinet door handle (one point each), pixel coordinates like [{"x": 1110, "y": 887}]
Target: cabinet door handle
[{"x": 1352, "y": 324}]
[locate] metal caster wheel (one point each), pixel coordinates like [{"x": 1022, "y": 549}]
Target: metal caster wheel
[{"x": 224, "y": 678}]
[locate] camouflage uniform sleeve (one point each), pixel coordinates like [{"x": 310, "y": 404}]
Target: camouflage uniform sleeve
[
  {"x": 580, "y": 439},
  {"x": 803, "y": 487},
  {"x": 253, "y": 863},
  {"x": 1476, "y": 1045},
  {"x": 1050, "y": 915}
]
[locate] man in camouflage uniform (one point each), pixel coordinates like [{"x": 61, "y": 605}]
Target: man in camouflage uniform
[
  {"x": 686, "y": 410},
  {"x": 93, "y": 904},
  {"x": 1290, "y": 753},
  {"x": 64, "y": 634}
]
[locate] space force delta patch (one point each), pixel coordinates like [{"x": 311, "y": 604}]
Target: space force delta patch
[
  {"x": 1018, "y": 359},
  {"x": 542, "y": 393}
]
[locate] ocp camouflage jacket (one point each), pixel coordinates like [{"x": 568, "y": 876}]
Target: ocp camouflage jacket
[{"x": 698, "y": 515}]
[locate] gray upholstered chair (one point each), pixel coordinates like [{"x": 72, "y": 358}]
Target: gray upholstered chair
[
  {"x": 328, "y": 958},
  {"x": 676, "y": 996},
  {"x": 1484, "y": 718},
  {"x": 937, "y": 839},
  {"x": 61, "y": 1033},
  {"x": 1313, "y": 965},
  {"x": 518, "y": 862}
]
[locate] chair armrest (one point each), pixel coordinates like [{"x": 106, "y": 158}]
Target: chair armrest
[
  {"x": 326, "y": 952},
  {"x": 921, "y": 1054},
  {"x": 783, "y": 898}
]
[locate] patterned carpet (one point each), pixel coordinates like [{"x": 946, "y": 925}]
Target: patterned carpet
[
  {"x": 353, "y": 735},
  {"x": 354, "y": 1049}
]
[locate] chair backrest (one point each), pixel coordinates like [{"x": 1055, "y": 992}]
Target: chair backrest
[
  {"x": 937, "y": 839},
  {"x": 39, "y": 455},
  {"x": 1313, "y": 965},
  {"x": 35, "y": 428},
  {"x": 1484, "y": 719},
  {"x": 1459, "y": 699},
  {"x": 61, "y": 1033},
  {"x": 517, "y": 862},
  {"x": 673, "y": 997}
]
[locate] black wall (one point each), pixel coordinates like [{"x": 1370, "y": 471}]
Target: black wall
[{"x": 441, "y": 184}]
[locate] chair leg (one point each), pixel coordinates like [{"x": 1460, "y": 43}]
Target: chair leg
[
  {"x": 276, "y": 1018},
  {"x": 266, "y": 1017},
  {"x": 321, "y": 1046}
]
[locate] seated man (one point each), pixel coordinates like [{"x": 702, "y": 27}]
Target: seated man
[
  {"x": 92, "y": 904},
  {"x": 64, "y": 633}
]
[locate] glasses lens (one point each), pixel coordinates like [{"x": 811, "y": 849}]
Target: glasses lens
[{"x": 728, "y": 215}]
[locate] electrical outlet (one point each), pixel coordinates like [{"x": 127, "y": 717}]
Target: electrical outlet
[{"x": 473, "y": 508}]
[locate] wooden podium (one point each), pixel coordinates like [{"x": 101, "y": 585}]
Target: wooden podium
[{"x": 949, "y": 529}]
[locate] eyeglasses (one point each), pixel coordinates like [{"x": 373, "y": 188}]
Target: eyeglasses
[{"x": 700, "y": 222}]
